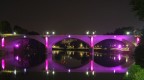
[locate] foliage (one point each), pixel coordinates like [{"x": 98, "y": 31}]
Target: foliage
[
  {"x": 5, "y": 27},
  {"x": 133, "y": 71},
  {"x": 123, "y": 30},
  {"x": 33, "y": 33},
  {"x": 19, "y": 30},
  {"x": 139, "y": 56},
  {"x": 138, "y": 7},
  {"x": 139, "y": 75}
]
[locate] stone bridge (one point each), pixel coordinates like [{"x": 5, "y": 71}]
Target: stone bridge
[{"x": 8, "y": 42}]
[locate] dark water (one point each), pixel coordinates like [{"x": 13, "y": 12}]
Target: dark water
[
  {"x": 71, "y": 59},
  {"x": 75, "y": 59},
  {"x": 61, "y": 76}
]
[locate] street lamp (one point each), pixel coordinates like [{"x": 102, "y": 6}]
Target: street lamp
[
  {"x": 14, "y": 33},
  {"x": 53, "y": 33},
  {"x": 90, "y": 33},
  {"x": 93, "y": 32},
  {"x": 87, "y": 32},
  {"x": 127, "y": 33},
  {"x": 47, "y": 32}
]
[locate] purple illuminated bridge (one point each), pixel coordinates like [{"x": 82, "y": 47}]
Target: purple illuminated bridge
[{"x": 8, "y": 61}]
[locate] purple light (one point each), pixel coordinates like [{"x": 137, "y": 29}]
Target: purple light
[
  {"x": 17, "y": 45},
  {"x": 114, "y": 58},
  {"x": 119, "y": 46},
  {"x": 46, "y": 65},
  {"x": 69, "y": 36},
  {"x": 46, "y": 41},
  {"x": 114, "y": 70},
  {"x": 17, "y": 58},
  {"x": 2, "y": 42},
  {"x": 92, "y": 41},
  {"x": 138, "y": 40},
  {"x": 119, "y": 57},
  {"x": 69, "y": 70},
  {"x": 3, "y": 64},
  {"x": 24, "y": 36},
  {"x": 91, "y": 65}
]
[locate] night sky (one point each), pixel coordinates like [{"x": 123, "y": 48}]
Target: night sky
[{"x": 69, "y": 17}]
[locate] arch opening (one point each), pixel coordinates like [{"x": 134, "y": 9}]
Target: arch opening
[
  {"x": 71, "y": 53},
  {"x": 111, "y": 53},
  {"x": 28, "y": 53}
]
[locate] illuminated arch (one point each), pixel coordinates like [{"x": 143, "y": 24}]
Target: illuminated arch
[
  {"x": 112, "y": 52},
  {"x": 72, "y": 53}
]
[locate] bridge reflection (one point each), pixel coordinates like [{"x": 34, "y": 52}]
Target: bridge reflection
[{"x": 78, "y": 52}]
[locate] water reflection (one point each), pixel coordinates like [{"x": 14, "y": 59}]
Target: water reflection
[
  {"x": 110, "y": 58},
  {"x": 71, "y": 59},
  {"x": 111, "y": 52}
]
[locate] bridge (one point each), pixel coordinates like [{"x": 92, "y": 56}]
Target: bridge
[{"x": 9, "y": 42}]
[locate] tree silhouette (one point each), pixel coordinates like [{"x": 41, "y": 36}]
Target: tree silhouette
[
  {"x": 138, "y": 7},
  {"x": 5, "y": 27},
  {"x": 20, "y": 30}
]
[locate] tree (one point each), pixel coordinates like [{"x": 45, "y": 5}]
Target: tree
[
  {"x": 5, "y": 27},
  {"x": 138, "y": 7},
  {"x": 132, "y": 71},
  {"x": 33, "y": 33},
  {"x": 20, "y": 30},
  {"x": 139, "y": 75},
  {"x": 123, "y": 30},
  {"x": 139, "y": 52}
]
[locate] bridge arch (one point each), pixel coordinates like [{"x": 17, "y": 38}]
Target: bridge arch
[
  {"x": 123, "y": 38},
  {"x": 54, "y": 39}
]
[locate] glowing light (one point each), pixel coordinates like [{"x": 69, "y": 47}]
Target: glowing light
[
  {"x": 114, "y": 36},
  {"x": 126, "y": 59},
  {"x": 93, "y": 72},
  {"x": 47, "y": 72},
  {"x": 138, "y": 40},
  {"x": 17, "y": 58},
  {"x": 87, "y": 73},
  {"x": 119, "y": 57},
  {"x": 127, "y": 33},
  {"x": 46, "y": 41},
  {"x": 46, "y": 65},
  {"x": 127, "y": 73},
  {"x": 114, "y": 71},
  {"x": 114, "y": 58},
  {"x": 93, "y": 33},
  {"x": 47, "y": 33},
  {"x": 92, "y": 41},
  {"x": 119, "y": 46},
  {"x": 15, "y": 72},
  {"x": 91, "y": 65},
  {"x": 53, "y": 32},
  {"x": 69, "y": 36},
  {"x": 2, "y": 42},
  {"x": 14, "y": 33},
  {"x": 87, "y": 32},
  {"x": 25, "y": 70},
  {"x": 24, "y": 36},
  {"x": 53, "y": 72},
  {"x": 69, "y": 70},
  {"x": 17, "y": 45},
  {"x": 3, "y": 64}
]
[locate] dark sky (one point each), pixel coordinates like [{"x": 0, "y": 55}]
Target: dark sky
[{"x": 69, "y": 17}]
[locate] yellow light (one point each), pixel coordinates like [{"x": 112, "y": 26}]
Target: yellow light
[{"x": 14, "y": 33}]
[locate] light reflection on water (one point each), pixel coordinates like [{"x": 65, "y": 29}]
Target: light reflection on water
[
  {"x": 71, "y": 59},
  {"x": 75, "y": 59}
]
